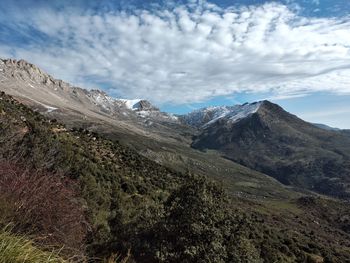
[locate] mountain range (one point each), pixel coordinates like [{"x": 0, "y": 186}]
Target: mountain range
[
  {"x": 260, "y": 136},
  {"x": 241, "y": 183}
]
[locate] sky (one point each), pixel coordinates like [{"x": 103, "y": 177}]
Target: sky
[{"x": 183, "y": 55}]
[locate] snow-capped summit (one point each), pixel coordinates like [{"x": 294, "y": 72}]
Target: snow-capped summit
[
  {"x": 101, "y": 98},
  {"x": 206, "y": 116},
  {"x": 139, "y": 105}
]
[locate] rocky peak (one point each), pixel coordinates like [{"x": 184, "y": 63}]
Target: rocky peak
[
  {"x": 23, "y": 70},
  {"x": 145, "y": 105},
  {"x": 97, "y": 91},
  {"x": 22, "y": 65},
  {"x": 98, "y": 94}
]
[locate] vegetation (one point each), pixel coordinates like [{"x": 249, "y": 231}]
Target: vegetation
[
  {"x": 93, "y": 198},
  {"x": 43, "y": 205},
  {"x": 16, "y": 249}
]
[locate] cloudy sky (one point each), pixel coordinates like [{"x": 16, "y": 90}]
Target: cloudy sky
[{"x": 183, "y": 55}]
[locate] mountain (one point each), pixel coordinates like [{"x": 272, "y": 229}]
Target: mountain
[
  {"x": 137, "y": 124},
  {"x": 49, "y": 95},
  {"x": 346, "y": 132},
  {"x": 206, "y": 116},
  {"x": 266, "y": 138},
  {"x": 326, "y": 127}
]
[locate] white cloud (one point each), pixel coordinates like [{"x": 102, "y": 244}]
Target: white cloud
[{"x": 190, "y": 54}]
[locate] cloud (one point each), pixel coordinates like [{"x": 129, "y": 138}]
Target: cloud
[
  {"x": 187, "y": 53},
  {"x": 286, "y": 97}
]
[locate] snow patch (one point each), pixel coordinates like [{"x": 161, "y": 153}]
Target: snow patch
[
  {"x": 49, "y": 108},
  {"x": 244, "y": 111},
  {"x": 172, "y": 117},
  {"x": 131, "y": 104},
  {"x": 143, "y": 114}
]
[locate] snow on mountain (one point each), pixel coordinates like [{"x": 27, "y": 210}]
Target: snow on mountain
[
  {"x": 242, "y": 111},
  {"x": 100, "y": 98},
  {"x": 142, "y": 108},
  {"x": 131, "y": 104},
  {"x": 207, "y": 116}
]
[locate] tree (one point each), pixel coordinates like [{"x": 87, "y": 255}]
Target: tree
[{"x": 196, "y": 224}]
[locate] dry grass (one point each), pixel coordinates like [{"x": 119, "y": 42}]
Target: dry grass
[{"x": 16, "y": 249}]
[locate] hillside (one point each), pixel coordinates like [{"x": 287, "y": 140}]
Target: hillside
[{"x": 103, "y": 168}]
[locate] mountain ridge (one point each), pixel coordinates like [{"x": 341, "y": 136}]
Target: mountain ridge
[
  {"x": 205, "y": 116},
  {"x": 73, "y": 105},
  {"x": 21, "y": 69},
  {"x": 26, "y": 71}
]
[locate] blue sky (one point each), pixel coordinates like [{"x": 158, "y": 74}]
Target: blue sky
[{"x": 183, "y": 55}]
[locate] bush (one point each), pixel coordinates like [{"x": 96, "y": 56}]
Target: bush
[{"x": 42, "y": 205}]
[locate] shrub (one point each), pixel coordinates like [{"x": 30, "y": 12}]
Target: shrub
[{"x": 42, "y": 205}]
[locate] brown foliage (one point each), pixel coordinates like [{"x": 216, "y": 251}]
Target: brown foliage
[{"x": 42, "y": 205}]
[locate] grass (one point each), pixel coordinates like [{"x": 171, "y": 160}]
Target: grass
[
  {"x": 281, "y": 206},
  {"x": 17, "y": 249},
  {"x": 115, "y": 258}
]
